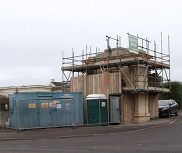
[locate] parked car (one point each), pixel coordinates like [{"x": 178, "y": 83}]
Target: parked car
[{"x": 168, "y": 107}]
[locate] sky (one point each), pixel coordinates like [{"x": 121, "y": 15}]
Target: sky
[{"x": 33, "y": 33}]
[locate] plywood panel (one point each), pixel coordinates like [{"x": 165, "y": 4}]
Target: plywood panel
[
  {"x": 128, "y": 108},
  {"x": 109, "y": 83},
  {"x": 153, "y": 105},
  {"x": 103, "y": 83}
]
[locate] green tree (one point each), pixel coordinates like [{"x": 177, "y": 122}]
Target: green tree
[
  {"x": 176, "y": 92},
  {"x": 4, "y": 101}
]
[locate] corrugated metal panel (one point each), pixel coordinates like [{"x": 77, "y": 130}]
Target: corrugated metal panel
[{"x": 42, "y": 110}]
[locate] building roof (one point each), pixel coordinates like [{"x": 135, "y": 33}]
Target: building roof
[{"x": 96, "y": 96}]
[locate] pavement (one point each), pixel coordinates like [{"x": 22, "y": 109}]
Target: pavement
[{"x": 84, "y": 131}]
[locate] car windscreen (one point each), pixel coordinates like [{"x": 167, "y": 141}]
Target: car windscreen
[{"x": 163, "y": 102}]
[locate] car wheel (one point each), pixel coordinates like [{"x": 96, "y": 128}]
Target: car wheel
[
  {"x": 169, "y": 114},
  {"x": 177, "y": 113}
]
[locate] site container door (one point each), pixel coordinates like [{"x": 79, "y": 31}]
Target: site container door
[
  {"x": 27, "y": 114},
  {"x": 114, "y": 109},
  {"x": 55, "y": 111},
  {"x": 68, "y": 115},
  {"x": 103, "y": 111},
  {"x": 45, "y": 106},
  {"x": 93, "y": 112}
]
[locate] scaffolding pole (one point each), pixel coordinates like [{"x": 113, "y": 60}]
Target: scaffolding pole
[{"x": 104, "y": 61}]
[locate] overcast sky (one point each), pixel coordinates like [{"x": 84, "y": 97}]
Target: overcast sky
[{"x": 33, "y": 33}]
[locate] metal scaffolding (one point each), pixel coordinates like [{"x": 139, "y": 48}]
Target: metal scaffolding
[{"x": 150, "y": 67}]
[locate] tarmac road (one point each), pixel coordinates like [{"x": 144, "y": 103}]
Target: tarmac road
[
  {"x": 159, "y": 136},
  {"x": 67, "y": 132}
]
